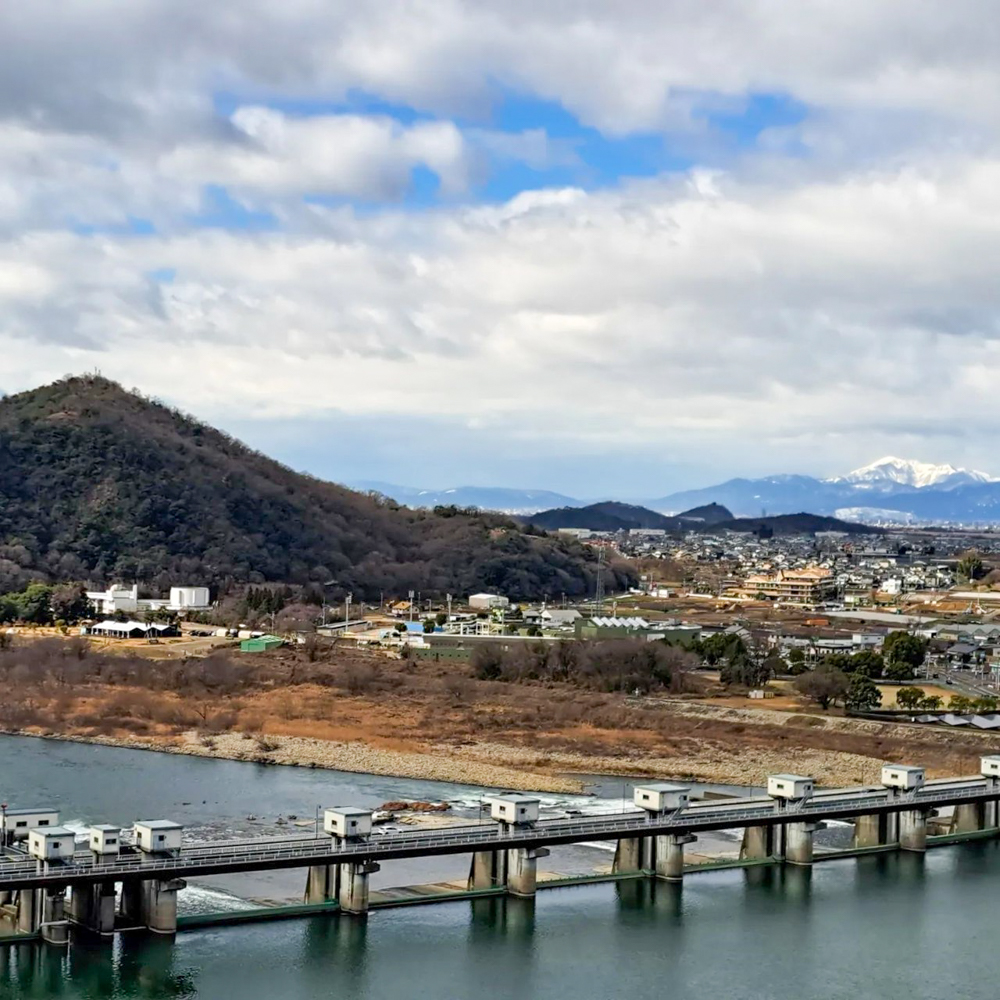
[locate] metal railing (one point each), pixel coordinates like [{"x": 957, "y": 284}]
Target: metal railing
[{"x": 308, "y": 849}]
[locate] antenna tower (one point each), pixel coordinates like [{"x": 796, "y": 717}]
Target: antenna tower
[{"x": 599, "y": 595}]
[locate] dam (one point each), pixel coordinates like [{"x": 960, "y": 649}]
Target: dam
[{"x": 116, "y": 883}]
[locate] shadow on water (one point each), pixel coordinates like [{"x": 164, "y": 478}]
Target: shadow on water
[
  {"x": 639, "y": 898},
  {"x": 501, "y": 918},
  {"x": 131, "y": 966},
  {"x": 341, "y": 939},
  {"x": 768, "y": 887}
]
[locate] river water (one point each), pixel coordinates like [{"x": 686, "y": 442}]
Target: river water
[{"x": 889, "y": 926}]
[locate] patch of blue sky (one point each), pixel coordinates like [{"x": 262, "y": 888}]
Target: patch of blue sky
[
  {"x": 222, "y": 211},
  {"x": 741, "y": 123},
  {"x": 132, "y": 226},
  {"x": 162, "y": 275},
  {"x": 730, "y": 124}
]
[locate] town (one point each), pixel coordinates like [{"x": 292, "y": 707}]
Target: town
[{"x": 790, "y": 603}]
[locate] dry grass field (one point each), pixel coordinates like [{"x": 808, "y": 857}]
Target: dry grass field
[{"x": 291, "y": 703}]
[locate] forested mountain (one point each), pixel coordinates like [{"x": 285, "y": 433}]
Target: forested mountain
[
  {"x": 614, "y": 516},
  {"x": 796, "y": 524},
  {"x": 609, "y": 515},
  {"x": 99, "y": 484}
]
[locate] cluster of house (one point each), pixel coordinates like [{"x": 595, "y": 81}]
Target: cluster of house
[
  {"x": 972, "y": 645},
  {"x": 856, "y": 572}
]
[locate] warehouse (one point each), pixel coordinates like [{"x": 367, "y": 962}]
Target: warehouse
[
  {"x": 261, "y": 644},
  {"x": 132, "y": 630}
]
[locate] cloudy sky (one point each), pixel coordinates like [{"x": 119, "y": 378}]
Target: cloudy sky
[{"x": 599, "y": 248}]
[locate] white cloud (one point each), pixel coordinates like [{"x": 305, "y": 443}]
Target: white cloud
[
  {"x": 346, "y": 154},
  {"x": 816, "y": 307},
  {"x": 669, "y": 317},
  {"x": 619, "y": 66}
]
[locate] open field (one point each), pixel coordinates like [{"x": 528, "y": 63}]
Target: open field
[{"x": 367, "y": 711}]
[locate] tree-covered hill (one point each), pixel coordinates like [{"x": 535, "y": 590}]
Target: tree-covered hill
[{"x": 101, "y": 484}]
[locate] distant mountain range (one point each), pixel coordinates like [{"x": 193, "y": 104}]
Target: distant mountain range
[
  {"x": 890, "y": 490},
  {"x": 509, "y": 501}
]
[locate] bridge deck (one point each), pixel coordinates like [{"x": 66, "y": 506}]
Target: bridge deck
[{"x": 301, "y": 851}]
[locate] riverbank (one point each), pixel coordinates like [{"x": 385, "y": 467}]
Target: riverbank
[
  {"x": 354, "y": 757},
  {"x": 361, "y": 712},
  {"x": 497, "y": 765}
]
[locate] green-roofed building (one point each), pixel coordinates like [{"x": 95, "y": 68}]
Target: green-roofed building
[{"x": 261, "y": 644}]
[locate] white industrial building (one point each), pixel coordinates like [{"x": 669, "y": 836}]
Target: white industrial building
[
  {"x": 906, "y": 779},
  {"x": 16, "y": 823},
  {"x": 54, "y": 844},
  {"x": 189, "y": 599},
  {"x": 105, "y": 839},
  {"x": 347, "y": 821},
  {"x": 158, "y": 835},
  {"x": 114, "y": 599},
  {"x": 789, "y": 786},
  {"x": 516, "y": 810},
  {"x": 486, "y": 602},
  {"x": 661, "y": 797},
  {"x": 121, "y": 598}
]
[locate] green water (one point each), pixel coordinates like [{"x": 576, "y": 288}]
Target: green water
[{"x": 887, "y": 926}]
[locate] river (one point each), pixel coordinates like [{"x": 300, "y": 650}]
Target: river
[{"x": 888, "y": 926}]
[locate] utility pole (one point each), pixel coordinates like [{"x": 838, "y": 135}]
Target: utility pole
[
  {"x": 347, "y": 608},
  {"x": 448, "y": 597},
  {"x": 411, "y": 605},
  {"x": 599, "y": 595}
]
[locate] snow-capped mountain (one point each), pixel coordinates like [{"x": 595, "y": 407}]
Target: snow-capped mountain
[
  {"x": 891, "y": 472},
  {"x": 503, "y": 499},
  {"x": 889, "y": 491}
]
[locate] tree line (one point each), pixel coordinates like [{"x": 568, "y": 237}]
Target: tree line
[{"x": 624, "y": 665}]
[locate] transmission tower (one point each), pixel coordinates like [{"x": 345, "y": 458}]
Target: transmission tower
[{"x": 599, "y": 595}]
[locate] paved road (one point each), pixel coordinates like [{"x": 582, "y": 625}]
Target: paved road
[{"x": 306, "y": 850}]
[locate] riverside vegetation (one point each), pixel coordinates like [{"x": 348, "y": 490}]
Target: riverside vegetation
[{"x": 332, "y": 706}]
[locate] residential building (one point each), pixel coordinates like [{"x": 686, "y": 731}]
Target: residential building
[{"x": 809, "y": 585}]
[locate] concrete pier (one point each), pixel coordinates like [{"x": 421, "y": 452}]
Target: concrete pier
[
  {"x": 990, "y": 815},
  {"x": 93, "y": 907},
  {"x": 758, "y": 843},
  {"x": 160, "y": 905},
  {"x": 522, "y": 869},
  {"x": 354, "y": 886},
  {"x": 967, "y": 818},
  {"x": 870, "y": 831},
  {"x": 27, "y": 911},
  {"x": 799, "y": 843},
  {"x": 488, "y": 870},
  {"x": 669, "y": 860},
  {"x": 130, "y": 906},
  {"x": 629, "y": 855},
  {"x": 322, "y": 884},
  {"x": 54, "y": 926},
  {"x": 913, "y": 830}
]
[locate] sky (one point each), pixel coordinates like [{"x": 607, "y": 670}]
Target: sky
[{"x": 606, "y": 249}]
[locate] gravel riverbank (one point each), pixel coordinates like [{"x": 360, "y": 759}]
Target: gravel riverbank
[
  {"x": 497, "y": 765},
  {"x": 442, "y": 765}
]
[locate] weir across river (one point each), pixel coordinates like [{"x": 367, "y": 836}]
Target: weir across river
[{"x": 114, "y": 887}]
